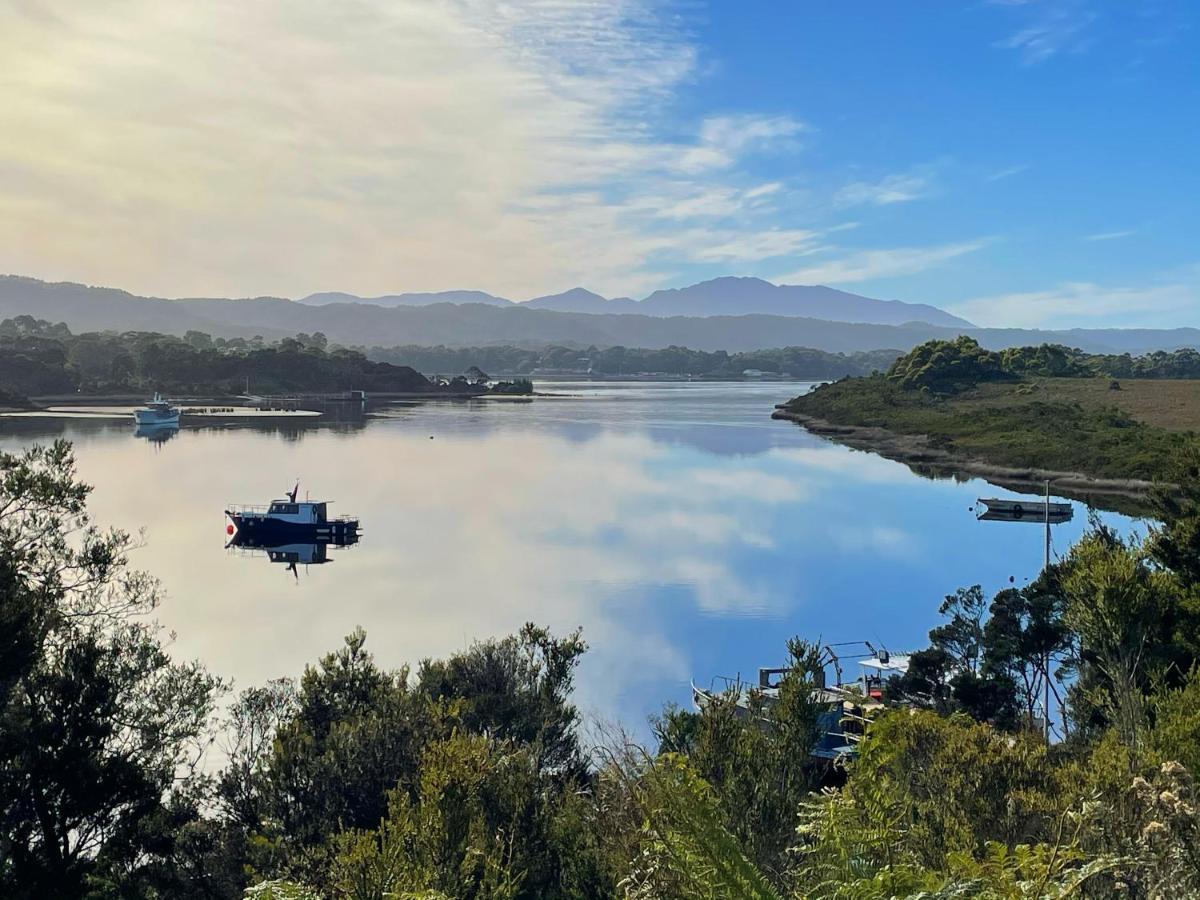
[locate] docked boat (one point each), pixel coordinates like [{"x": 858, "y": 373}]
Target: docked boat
[
  {"x": 996, "y": 509},
  {"x": 844, "y": 705},
  {"x": 157, "y": 412},
  {"x": 288, "y": 521}
]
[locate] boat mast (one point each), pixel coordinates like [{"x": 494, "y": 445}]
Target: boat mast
[{"x": 1046, "y": 574}]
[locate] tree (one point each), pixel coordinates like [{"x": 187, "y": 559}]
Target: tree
[
  {"x": 517, "y": 688},
  {"x": 97, "y": 723},
  {"x": 458, "y": 837},
  {"x": 1123, "y": 612},
  {"x": 1023, "y": 636},
  {"x": 946, "y": 367},
  {"x": 198, "y": 340},
  {"x": 975, "y": 658},
  {"x": 755, "y": 751}
]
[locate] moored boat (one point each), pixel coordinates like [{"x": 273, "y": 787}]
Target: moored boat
[
  {"x": 843, "y": 705},
  {"x": 287, "y": 521},
  {"x": 157, "y": 412},
  {"x": 998, "y": 509}
]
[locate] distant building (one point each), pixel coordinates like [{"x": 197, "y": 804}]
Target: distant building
[{"x": 753, "y": 373}]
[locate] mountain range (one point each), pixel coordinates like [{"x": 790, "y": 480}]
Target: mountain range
[
  {"x": 727, "y": 296},
  {"x": 85, "y": 308}
]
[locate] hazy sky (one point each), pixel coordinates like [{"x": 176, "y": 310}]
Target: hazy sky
[{"x": 1025, "y": 162}]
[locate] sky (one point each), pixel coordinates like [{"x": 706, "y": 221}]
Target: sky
[{"x": 1018, "y": 162}]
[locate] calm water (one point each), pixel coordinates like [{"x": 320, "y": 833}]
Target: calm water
[{"x": 683, "y": 529}]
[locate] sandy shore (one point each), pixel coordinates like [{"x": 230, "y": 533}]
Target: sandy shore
[{"x": 914, "y": 450}]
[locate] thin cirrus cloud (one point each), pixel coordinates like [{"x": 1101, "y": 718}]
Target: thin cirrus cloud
[
  {"x": 889, "y": 190},
  {"x": 865, "y": 265},
  {"x": 1051, "y": 28},
  {"x": 1110, "y": 235},
  {"x": 1007, "y": 172},
  {"x": 291, "y": 145},
  {"x": 1168, "y": 302}
]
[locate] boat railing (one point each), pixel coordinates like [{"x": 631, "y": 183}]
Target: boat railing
[
  {"x": 248, "y": 508},
  {"x": 262, "y": 509}
]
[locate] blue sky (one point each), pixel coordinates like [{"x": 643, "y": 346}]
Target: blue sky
[
  {"x": 1021, "y": 162},
  {"x": 1061, "y": 138}
]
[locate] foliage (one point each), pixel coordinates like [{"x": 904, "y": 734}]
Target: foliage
[
  {"x": 1126, "y": 619},
  {"x": 687, "y": 850},
  {"x": 457, "y": 838},
  {"x": 893, "y": 812},
  {"x": 354, "y": 748},
  {"x": 991, "y": 661},
  {"x": 1005, "y": 428},
  {"x": 38, "y": 358},
  {"x": 946, "y": 367},
  {"x": 97, "y": 722},
  {"x": 756, "y": 757},
  {"x": 1176, "y": 731},
  {"x": 796, "y": 362},
  {"x": 517, "y": 689}
]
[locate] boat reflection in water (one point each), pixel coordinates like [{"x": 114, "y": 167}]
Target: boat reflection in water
[
  {"x": 158, "y": 433},
  {"x": 292, "y": 555},
  {"x": 291, "y": 531}
]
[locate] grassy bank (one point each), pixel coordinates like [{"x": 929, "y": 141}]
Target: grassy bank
[{"x": 1077, "y": 425}]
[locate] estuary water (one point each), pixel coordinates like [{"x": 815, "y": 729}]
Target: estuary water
[{"x": 684, "y": 530}]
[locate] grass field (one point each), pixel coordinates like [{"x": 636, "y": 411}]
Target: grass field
[
  {"x": 1164, "y": 403},
  {"x": 1063, "y": 424}
]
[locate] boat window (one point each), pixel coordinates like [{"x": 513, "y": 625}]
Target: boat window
[{"x": 285, "y": 508}]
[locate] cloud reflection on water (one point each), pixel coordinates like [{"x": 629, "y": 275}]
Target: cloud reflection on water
[{"x": 677, "y": 560}]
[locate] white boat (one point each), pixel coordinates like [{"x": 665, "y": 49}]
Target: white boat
[
  {"x": 842, "y": 703},
  {"x": 157, "y": 412},
  {"x": 996, "y": 509}
]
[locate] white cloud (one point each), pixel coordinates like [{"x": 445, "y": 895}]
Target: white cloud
[
  {"x": 286, "y": 146},
  {"x": 763, "y": 190},
  {"x": 736, "y": 246},
  {"x": 892, "y": 189},
  {"x": 724, "y": 138},
  {"x": 1171, "y": 302},
  {"x": 864, "y": 265},
  {"x": 1008, "y": 172},
  {"x": 1110, "y": 235},
  {"x": 1057, "y": 26}
]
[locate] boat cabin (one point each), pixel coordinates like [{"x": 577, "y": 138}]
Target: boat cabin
[{"x": 304, "y": 512}]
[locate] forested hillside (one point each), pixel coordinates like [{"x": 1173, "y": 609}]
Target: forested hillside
[
  {"x": 38, "y": 358},
  {"x": 797, "y": 362}
]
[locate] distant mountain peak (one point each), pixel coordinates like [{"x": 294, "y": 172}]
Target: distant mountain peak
[
  {"x": 581, "y": 300},
  {"x": 575, "y": 293},
  {"x": 410, "y": 299},
  {"x": 738, "y": 296}
]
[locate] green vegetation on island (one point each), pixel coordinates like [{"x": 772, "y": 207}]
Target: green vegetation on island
[
  {"x": 793, "y": 362},
  {"x": 1046, "y": 408},
  {"x": 469, "y": 778},
  {"x": 38, "y": 358}
]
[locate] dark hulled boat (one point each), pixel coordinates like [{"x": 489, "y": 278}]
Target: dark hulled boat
[{"x": 288, "y": 521}]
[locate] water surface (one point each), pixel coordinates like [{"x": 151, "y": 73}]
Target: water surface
[{"x": 687, "y": 532}]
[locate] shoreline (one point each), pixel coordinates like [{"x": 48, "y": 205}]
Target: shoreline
[{"x": 914, "y": 451}]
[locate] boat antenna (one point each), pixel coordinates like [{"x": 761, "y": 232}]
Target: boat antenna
[{"x": 294, "y": 491}]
